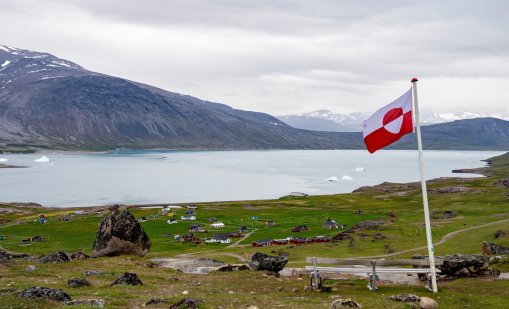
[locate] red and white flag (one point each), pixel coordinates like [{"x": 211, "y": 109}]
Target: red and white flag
[{"x": 389, "y": 123}]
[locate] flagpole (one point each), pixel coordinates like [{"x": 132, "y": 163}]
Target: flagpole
[{"x": 431, "y": 250}]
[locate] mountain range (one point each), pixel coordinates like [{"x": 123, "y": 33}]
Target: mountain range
[
  {"x": 325, "y": 120},
  {"x": 48, "y": 102}
]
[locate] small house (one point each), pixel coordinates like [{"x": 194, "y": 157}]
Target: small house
[
  {"x": 171, "y": 221},
  {"x": 80, "y": 212},
  {"x": 188, "y": 218},
  {"x": 217, "y": 225},
  {"x": 262, "y": 243},
  {"x": 254, "y": 218},
  {"x": 190, "y": 212},
  {"x": 243, "y": 229},
  {"x": 42, "y": 221},
  {"x": 192, "y": 207},
  {"x": 212, "y": 220},
  {"x": 42, "y": 216},
  {"x": 330, "y": 224},
  {"x": 153, "y": 216},
  {"x": 143, "y": 219}
]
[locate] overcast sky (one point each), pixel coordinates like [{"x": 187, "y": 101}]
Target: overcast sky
[{"x": 283, "y": 57}]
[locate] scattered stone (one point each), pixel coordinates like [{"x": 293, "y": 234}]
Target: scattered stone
[
  {"x": 261, "y": 261},
  {"x": 448, "y": 214},
  {"x": 30, "y": 268},
  {"x": 55, "y": 257},
  {"x": 502, "y": 183},
  {"x": 279, "y": 289},
  {"x": 155, "y": 301},
  {"x": 428, "y": 303},
  {"x": 79, "y": 256},
  {"x": 307, "y": 288},
  {"x": 500, "y": 233},
  {"x": 93, "y": 273},
  {"x": 490, "y": 248},
  {"x": 187, "y": 303},
  {"x": 404, "y": 297},
  {"x": 7, "y": 255},
  {"x": 127, "y": 278},
  {"x": 342, "y": 236},
  {"x": 367, "y": 225},
  {"x": 345, "y": 303},
  {"x": 389, "y": 248},
  {"x": 295, "y": 290},
  {"x": 42, "y": 292},
  {"x": 451, "y": 189},
  {"x": 326, "y": 289},
  {"x": 77, "y": 282},
  {"x": 379, "y": 236},
  {"x": 234, "y": 267},
  {"x": 120, "y": 233},
  {"x": 96, "y": 303}
]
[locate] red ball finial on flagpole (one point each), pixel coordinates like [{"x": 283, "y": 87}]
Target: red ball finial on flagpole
[{"x": 414, "y": 80}]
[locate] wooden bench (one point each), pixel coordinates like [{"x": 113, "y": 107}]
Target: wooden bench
[{"x": 368, "y": 267}]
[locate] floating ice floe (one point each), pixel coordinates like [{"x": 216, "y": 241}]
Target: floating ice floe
[
  {"x": 360, "y": 169},
  {"x": 332, "y": 178},
  {"x": 3, "y": 160},
  {"x": 42, "y": 159},
  {"x": 346, "y": 177}
]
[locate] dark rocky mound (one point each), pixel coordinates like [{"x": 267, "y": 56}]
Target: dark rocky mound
[
  {"x": 490, "y": 248},
  {"x": 79, "y": 256},
  {"x": 463, "y": 265},
  {"x": 127, "y": 278},
  {"x": 502, "y": 183},
  {"x": 261, "y": 261},
  {"x": 120, "y": 233},
  {"x": 187, "y": 303},
  {"x": 77, "y": 282},
  {"x": 500, "y": 233},
  {"x": 55, "y": 257},
  {"x": 42, "y": 292},
  {"x": 5, "y": 255}
]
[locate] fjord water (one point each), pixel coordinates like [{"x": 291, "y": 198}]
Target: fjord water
[{"x": 143, "y": 177}]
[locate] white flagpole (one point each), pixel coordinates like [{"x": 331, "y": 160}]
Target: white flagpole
[{"x": 431, "y": 250}]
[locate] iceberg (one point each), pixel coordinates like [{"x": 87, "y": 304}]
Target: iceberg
[
  {"x": 360, "y": 169},
  {"x": 42, "y": 159},
  {"x": 3, "y": 160},
  {"x": 332, "y": 178},
  {"x": 346, "y": 177}
]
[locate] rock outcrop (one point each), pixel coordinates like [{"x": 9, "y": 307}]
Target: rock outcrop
[
  {"x": 345, "y": 303},
  {"x": 6, "y": 255},
  {"x": 55, "y": 257},
  {"x": 262, "y": 261},
  {"x": 77, "y": 282},
  {"x": 490, "y": 248},
  {"x": 127, "y": 278},
  {"x": 461, "y": 265},
  {"x": 187, "y": 303},
  {"x": 43, "y": 292},
  {"x": 120, "y": 233}
]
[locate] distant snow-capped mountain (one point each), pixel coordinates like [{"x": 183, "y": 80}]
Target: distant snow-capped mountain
[{"x": 325, "y": 120}]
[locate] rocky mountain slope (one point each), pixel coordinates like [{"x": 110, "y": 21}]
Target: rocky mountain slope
[{"x": 53, "y": 103}]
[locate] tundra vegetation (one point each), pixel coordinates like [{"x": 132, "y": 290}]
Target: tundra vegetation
[{"x": 465, "y": 212}]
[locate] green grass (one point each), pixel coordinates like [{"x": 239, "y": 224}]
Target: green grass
[{"x": 484, "y": 203}]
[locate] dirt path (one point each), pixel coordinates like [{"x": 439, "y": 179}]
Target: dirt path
[
  {"x": 443, "y": 240},
  {"x": 236, "y": 244}
]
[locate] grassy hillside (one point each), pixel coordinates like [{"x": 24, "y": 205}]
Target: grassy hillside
[{"x": 480, "y": 211}]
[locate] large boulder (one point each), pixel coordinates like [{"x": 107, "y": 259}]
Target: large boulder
[
  {"x": 262, "y": 261},
  {"x": 461, "y": 264},
  {"x": 428, "y": 303},
  {"x": 120, "y": 233},
  {"x": 187, "y": 303},
  {"x": 42, "y": 292},
  {"x": 7, "y": 255},
  {"x": 77, "y": 282}
]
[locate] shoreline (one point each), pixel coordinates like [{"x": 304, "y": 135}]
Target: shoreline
[{"x": 483, "y": 171}]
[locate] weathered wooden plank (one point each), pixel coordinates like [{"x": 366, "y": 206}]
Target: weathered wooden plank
[
  {"x": 365, "y": 270},
  {"x": 364, "y": 262}
]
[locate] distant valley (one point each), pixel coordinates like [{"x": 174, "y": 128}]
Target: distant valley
[{"x": 48, "y": 102}]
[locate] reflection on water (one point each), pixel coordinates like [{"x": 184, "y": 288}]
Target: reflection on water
[{"x": 70, "y": 179}]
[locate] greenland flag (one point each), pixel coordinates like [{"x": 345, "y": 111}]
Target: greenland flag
[{"x": 389, "y": 123}]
